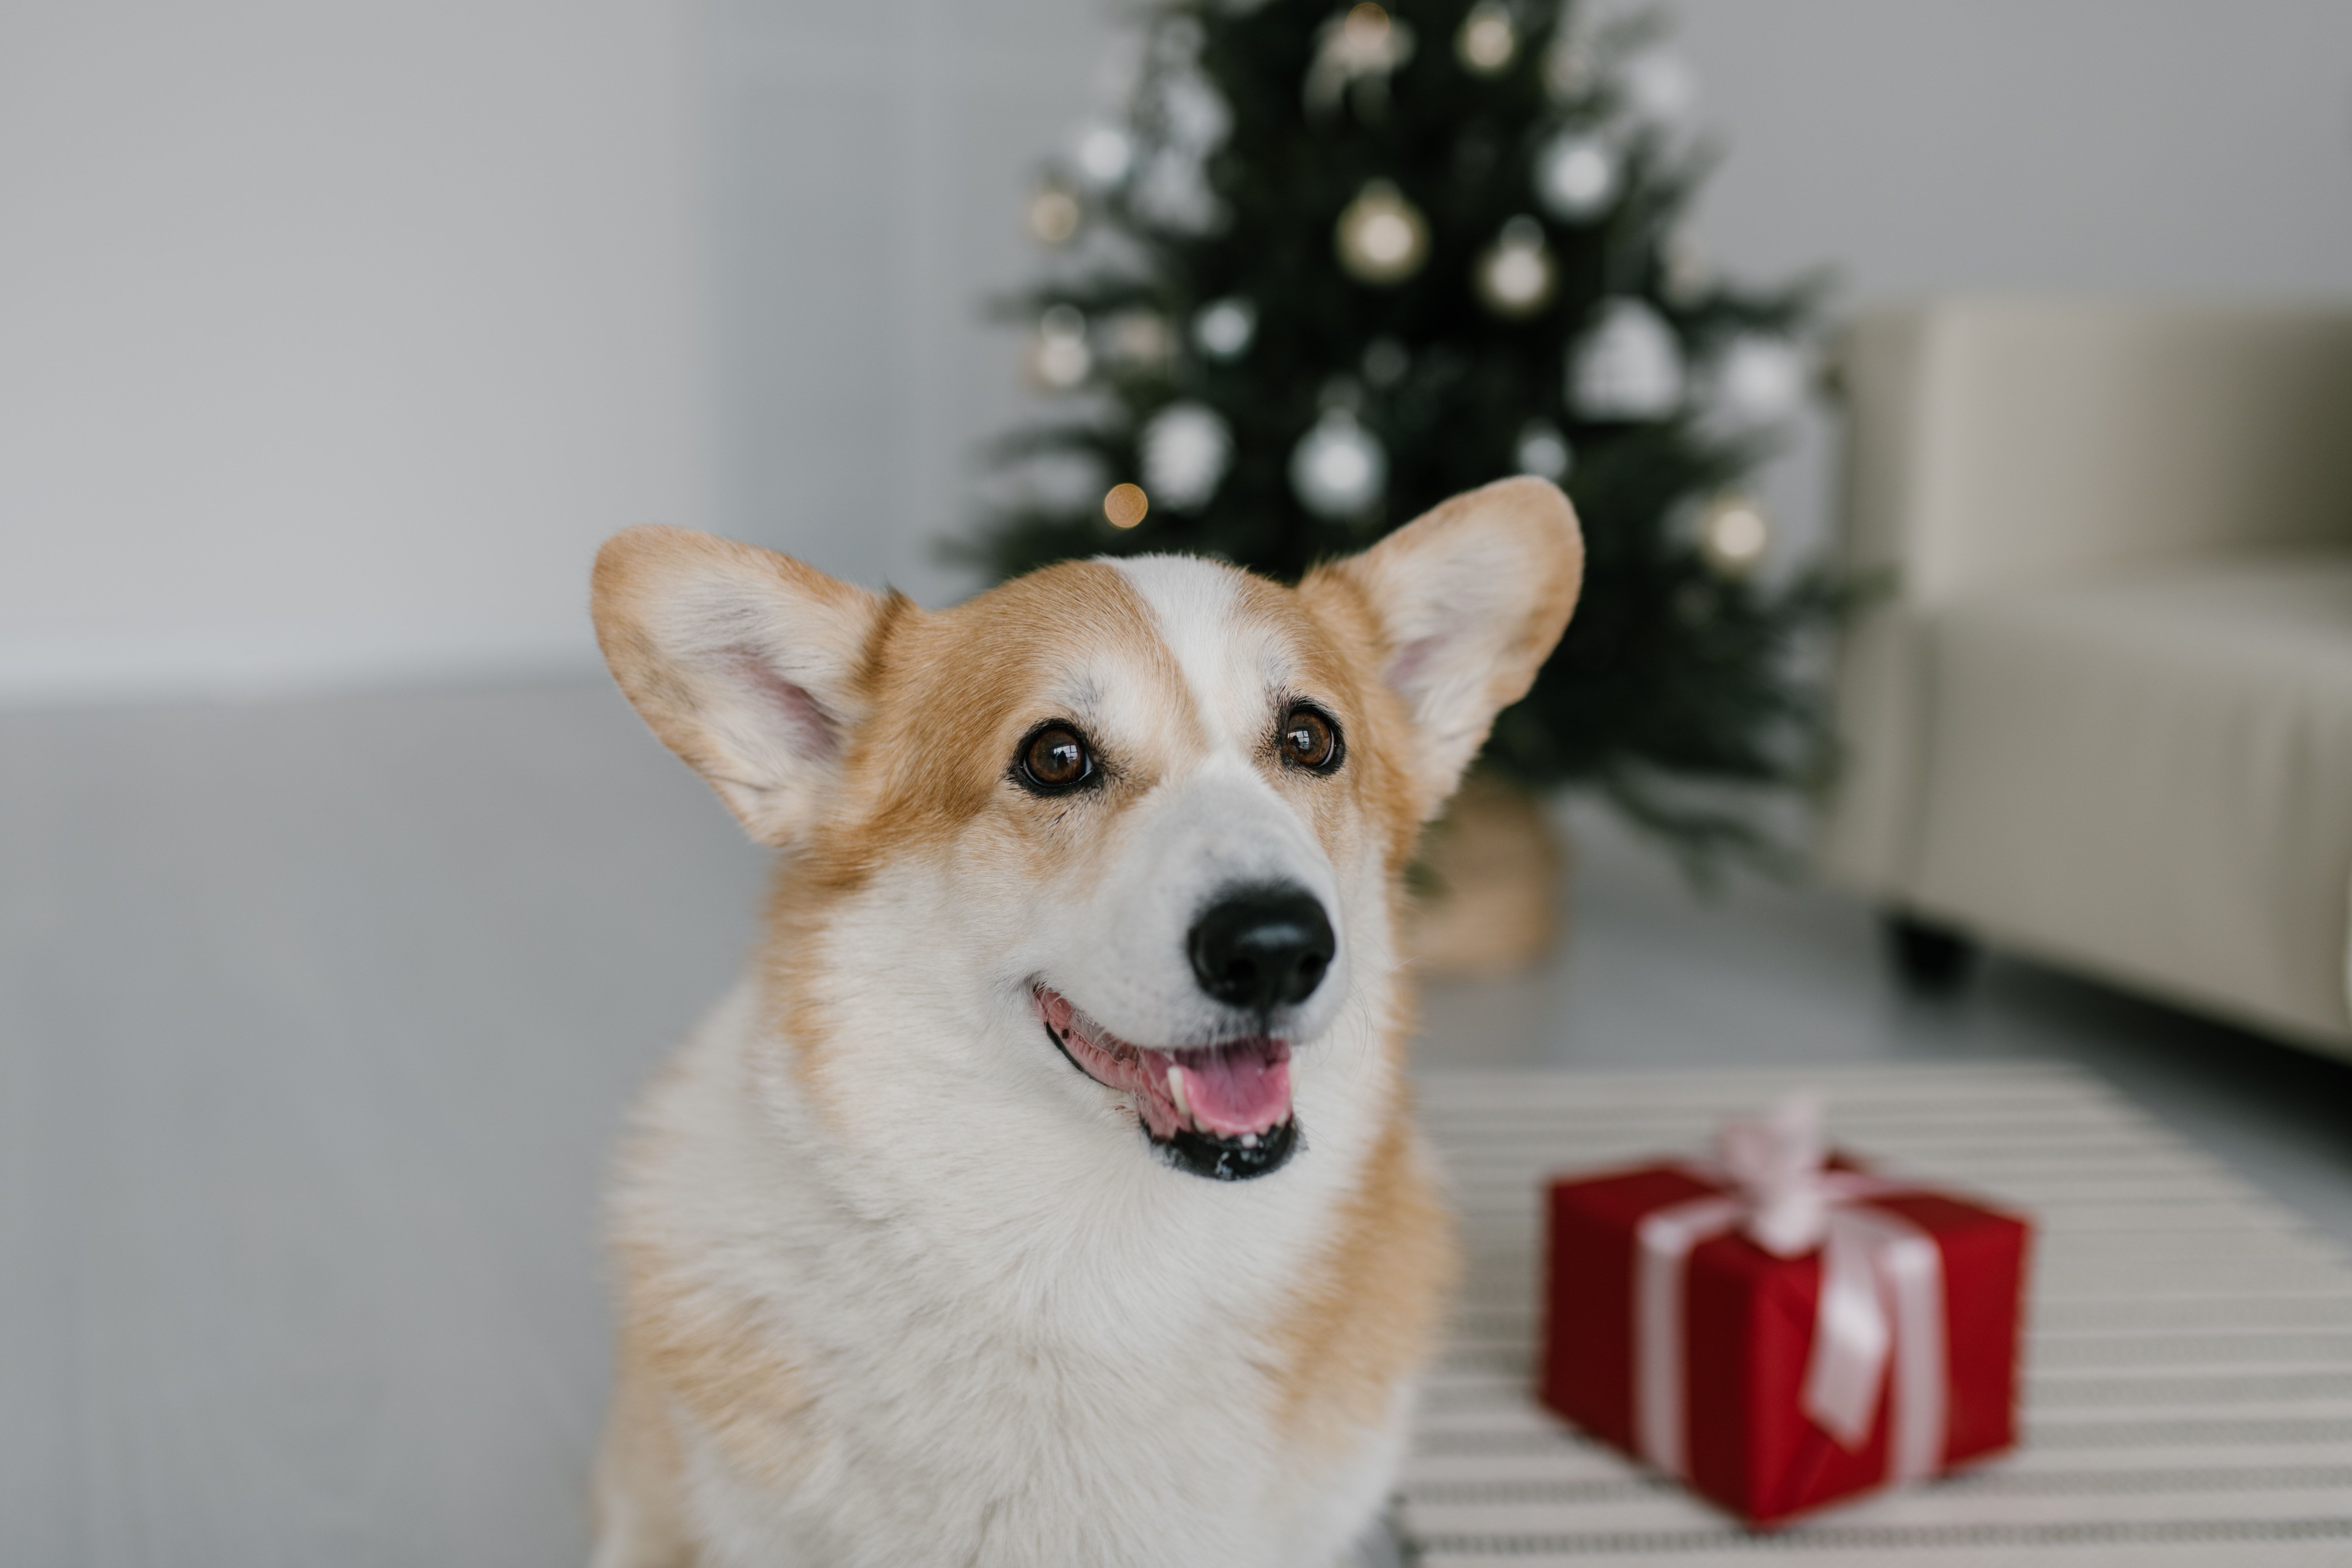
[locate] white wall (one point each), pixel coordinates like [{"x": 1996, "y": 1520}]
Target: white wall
[
  {"x": 333, "y": 337},
  {"x": 2153, "y": 146},
  {"x": 871, "y": 162}
]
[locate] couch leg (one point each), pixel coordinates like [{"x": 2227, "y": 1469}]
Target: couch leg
[{"x": 1930, "y": 960}]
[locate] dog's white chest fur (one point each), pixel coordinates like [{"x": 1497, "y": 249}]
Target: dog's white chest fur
[{"x": 994, "y": 1363}]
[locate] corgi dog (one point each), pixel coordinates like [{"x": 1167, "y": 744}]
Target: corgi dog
[{"x": 1048, "y": 1194}]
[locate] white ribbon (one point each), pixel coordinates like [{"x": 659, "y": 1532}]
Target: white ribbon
[{"x": 1871, "y": 1259}]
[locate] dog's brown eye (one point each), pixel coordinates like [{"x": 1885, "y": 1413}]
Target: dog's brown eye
[
  {"x": 1054, "y": 759},
  {"x": 1310, "y": 740}
]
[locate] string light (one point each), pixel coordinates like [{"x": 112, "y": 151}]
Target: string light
[{"x": 1125, "y": 505}]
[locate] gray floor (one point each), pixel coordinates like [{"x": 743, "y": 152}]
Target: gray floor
[{"x": 316, "y": 1019}]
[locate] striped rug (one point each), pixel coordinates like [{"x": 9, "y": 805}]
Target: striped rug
[{"x": 2189, "y": 1378}]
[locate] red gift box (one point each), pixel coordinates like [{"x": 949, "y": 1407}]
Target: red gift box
[{"x": 1782, "y": 1341}]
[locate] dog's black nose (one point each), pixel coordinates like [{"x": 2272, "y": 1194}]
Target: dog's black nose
[{"x": 1262, "y": 948}]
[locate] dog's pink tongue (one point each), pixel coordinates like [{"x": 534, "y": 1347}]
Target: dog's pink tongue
[{"x": 1244, "y": 1088}]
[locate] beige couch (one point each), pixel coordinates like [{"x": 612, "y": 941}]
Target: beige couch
[{"x": 2103, "y": 715}]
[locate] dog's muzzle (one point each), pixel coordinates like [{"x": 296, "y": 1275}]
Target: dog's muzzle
[{"x": 1221, "y": 1111}]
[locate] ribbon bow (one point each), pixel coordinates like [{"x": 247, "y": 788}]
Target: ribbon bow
[{"x": 1787, "y": 1201}]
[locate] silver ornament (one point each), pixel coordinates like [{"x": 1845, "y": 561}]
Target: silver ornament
[
  {"x": 1224, "y": 328},
  {"x": 1103, "y": 154},
  {"x": 1627, "y": 365},
  {"x": 1543, "y": 451},
  {"x": 1658, "y": 88},
  {"x": 1755, "y": 380},
  {"x": 1171, "y": 192},
  {"x": 1337, "y": 469},
  {"x": 1576, "y": 176},
  {"x": 1190, "y": 112},
  {"x": 1186, "y": 448},
  {"x": 1058, "y": 358}
]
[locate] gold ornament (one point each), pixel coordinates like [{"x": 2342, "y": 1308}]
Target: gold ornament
[
  {"x": 1487, "y": 39},
  {"x": 1382, "y": 237},
  {"x": 1514, "y": 275},
  {"x": 1125, "y": 505},
  {"x": 1053, "y": 213},
  {"x": 1570, "y": 68},
  {"x": 1137, "y": 339},
  {"x": 1362, "y": 44},
  {"x": 1733, "y": 534}
]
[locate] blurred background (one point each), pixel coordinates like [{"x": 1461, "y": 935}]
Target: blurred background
[
  {"x": 342, "y": 902},
  {"x": 331, "y": 345}
]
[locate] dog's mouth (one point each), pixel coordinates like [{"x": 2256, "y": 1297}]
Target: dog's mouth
[{"x": 1221, "y": 1111}]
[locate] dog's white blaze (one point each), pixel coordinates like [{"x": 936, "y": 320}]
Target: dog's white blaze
[
  {"x": 1229, "y": 665},
  {"x": 1217, "y": 825}
]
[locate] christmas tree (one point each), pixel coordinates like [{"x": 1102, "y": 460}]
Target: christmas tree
[{"x": 1324, "y": 268}]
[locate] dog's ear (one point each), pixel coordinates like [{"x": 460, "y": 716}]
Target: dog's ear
[
  {"x": 1468, "y": 601},
  {"x": 746, "y": 663}
]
